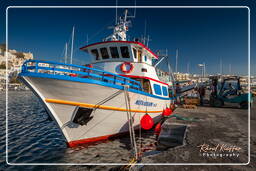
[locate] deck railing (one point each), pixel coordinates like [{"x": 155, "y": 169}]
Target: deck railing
[{"x": 83, "y": 72}]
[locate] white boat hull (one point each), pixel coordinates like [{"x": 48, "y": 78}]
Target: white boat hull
[{"x": 61, "y": 98}]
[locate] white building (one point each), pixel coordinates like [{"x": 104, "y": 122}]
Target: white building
[
  {"x": 181, "y": 76},
  {"x": 15, "y": 60}
]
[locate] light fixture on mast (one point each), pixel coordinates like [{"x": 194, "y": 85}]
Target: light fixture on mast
[{"x": 120, "y": 29}]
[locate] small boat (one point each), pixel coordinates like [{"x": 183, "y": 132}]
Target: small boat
[{"x": 88, "y": 104}]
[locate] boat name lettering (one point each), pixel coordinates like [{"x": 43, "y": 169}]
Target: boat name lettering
[{"x": 141, "y": 102}]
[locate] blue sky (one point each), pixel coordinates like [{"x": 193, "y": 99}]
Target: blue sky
[{"x": 201, "y": 35}]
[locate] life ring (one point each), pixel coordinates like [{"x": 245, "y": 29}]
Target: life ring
[{"x": 123, "y": 67}]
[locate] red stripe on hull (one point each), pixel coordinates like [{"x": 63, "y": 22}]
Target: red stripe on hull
[{"x": 93, "y": 140}]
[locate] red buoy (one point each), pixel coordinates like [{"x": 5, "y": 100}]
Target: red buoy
[
  {"x": 73, "y": 75},
  {"x": 167, "y": 112},
  {"x": 146, "y": 122},
  {"x": 158, "y": 128},
  {"x": 170, "y": 111}
]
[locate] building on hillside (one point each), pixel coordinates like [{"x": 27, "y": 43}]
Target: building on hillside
[
  {"x": 15, "y": 58},
  {"x": 181, "y": 76},
  {"x": 14, "y": 61}
]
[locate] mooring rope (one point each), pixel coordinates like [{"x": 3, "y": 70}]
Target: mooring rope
[{"x": 130, "y": 122}]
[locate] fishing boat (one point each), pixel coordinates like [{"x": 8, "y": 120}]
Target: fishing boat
[{"x": 88, "y": 104}]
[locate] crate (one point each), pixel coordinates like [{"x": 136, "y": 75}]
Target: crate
[{"x": 192, "y": 100}]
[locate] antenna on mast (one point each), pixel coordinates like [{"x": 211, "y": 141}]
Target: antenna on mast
[
  {"x": 116, "y": 11},
  {"x": 145, "y": 29},
  {"x": 120, "y": 28},
  {"x": 147, "y": 41},
  {"x": 134, "y": 14}
]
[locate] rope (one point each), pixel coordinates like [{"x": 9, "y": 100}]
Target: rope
[
  {"x": 107, "y": 99},
  {"x": 140, "y": 139},
  {"x": 130, "y": 122}
]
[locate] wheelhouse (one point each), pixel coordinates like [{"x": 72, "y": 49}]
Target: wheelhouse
[
  {"x": 120, "y": 51},
  {"x": 131, "y": 59},
  {"x": 129, "y": 51}
]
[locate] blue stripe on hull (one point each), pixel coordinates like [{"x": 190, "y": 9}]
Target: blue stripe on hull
[{"x": 89, "y": 81}]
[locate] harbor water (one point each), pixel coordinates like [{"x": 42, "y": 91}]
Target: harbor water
[{"x": 34, "y": 138}]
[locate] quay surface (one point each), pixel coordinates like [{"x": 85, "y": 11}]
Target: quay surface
[{"x": 228, "y": 125}]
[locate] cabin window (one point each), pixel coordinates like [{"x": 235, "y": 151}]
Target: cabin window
[
  {"x": 145, "y": 83},
  {"x": 125, "y": 52},
  {"x": 144, "y": 70},
  {"x": 145, "y": 58},
  {"x": 95, "y": 53},
  {"x": 104, "y": 53},
  {"x": 114, "y": 52},
  {"x": 134, "y": 53},
  {"x": 146, "y": 86},
  {"x": 165, "y": 92},
  {"x": 139, "y": 56},
  {"x": 157, "y": 89}
]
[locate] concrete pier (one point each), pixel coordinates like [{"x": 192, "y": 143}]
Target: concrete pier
[{"x": 214, "y": 127}]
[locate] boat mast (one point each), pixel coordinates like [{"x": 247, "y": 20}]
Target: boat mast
[
  {"x": 177, "y": 55},
  {"x": 188, "y": 67},
  {"x": 220, "y": 66},
  {"x": 66, "y": 53},
  {"x": 72, "y": 45},
  {"x": 87, "y": 40}
]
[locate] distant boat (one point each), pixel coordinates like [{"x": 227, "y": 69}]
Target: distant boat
[{"x": 89, "y": 104}]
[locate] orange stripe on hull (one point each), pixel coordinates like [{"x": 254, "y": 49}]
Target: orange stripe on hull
[{"x": 97, "y": 106}]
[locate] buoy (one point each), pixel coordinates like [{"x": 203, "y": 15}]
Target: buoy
[
  {"x": 167, "y": 112},
  {"x": 158, "y": 128},
  {"x": 146, "y": 122},
  {"x": 73, "y": 75}
]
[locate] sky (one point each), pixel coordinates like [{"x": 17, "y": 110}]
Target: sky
[{"x": 201, "y": 35}]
